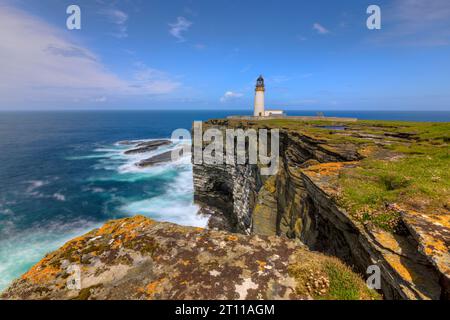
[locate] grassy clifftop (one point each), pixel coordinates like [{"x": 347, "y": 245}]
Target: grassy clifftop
[
  {"x": 390, "y": 178},
  {"x": 405, "y": 163}
]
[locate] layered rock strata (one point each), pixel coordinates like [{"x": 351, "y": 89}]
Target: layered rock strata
[{"x": 300, "y": 202}]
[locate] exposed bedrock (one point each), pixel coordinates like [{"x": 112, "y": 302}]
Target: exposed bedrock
[
  {"x": 137, "y": 258},
  {"x": 146, "y": 146},
  {"x": 299, "y": 204}
]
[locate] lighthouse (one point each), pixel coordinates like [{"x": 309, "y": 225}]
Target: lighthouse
[{"x": 259, "y": 98}]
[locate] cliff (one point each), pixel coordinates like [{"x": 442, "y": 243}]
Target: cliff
[
  {"x": 367, "y": 192},
  {"x": 362, "y": 193},
  {"x": 137, "y": 258}
]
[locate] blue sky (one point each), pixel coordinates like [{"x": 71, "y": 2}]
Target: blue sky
[{"x": 315, "y": 55}]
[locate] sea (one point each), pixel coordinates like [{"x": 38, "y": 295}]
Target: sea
[{"x": 64, "y": 173}]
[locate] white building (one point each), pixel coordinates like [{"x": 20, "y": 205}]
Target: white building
[{"x": 259, "y": 108}]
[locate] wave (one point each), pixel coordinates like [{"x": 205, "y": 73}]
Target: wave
[
  {"x": 172, "y": 202},
  {"x": 21, "y": 250},
  {"x": 174, "y": 205}
]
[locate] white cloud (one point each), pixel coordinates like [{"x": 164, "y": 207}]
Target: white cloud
[
  {"x": 414, "y": 22},
  {"x": 419, "y": 12},
  {"x": 153, "y": 81},
  {"x": 119, "y": 18},
  {"x": 178, "y": 28},
  {"x": 320, "y": 29},
  {"x": 40, "y": 64},
  {"x": 100, "y": 99},
  {"x": 230, "y": 95},
  {"x": 37, "y": 63}
]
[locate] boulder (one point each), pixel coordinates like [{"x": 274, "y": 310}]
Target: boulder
[{"x": 138, "y": 258}]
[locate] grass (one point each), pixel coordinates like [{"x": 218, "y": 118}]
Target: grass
[
  {"x": 422, "y": 131},
  {"x": 345, "y": 284},
  {"x": 410, "y": 165},
  {"x": 419, "y": 180},
  {"x": 327, "y": 278}
]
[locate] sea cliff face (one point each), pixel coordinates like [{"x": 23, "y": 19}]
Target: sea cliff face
[
  {"x": 313, "y": 198},
  {"x": 137, "y": 258},
  {"x": 367, "y": 193}
]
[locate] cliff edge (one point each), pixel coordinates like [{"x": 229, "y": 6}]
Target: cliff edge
[
  {"x": 138, "y": 258},
  {"x": 367, "y": 192}
]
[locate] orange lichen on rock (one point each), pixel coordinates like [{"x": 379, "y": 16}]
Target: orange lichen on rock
[
  {"x": 400, "y": 268},
  {"x": 261, "y": 265},
  {"x": 330, "y": 168},
  {"x": 153, "y": 288},
  {"x": 165, "y": 261},
  {"x": 433, "y": 235},
  {"x": 42, "y": 272},
  {"x": 124, "y": 230},
  {"x": 126, "y": 226}
]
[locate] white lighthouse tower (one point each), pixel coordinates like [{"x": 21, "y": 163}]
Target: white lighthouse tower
[{"x": 259, "y": 98}]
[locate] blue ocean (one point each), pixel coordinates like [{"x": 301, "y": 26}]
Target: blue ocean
[{"x": 64, "y": 173}]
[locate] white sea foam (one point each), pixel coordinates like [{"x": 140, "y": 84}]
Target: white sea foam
[
  {"x": 176, "y": 203},
  {"x": 33, "y": 188},
  {"x": 36, "y": 184},
  {"x": 59, "y": 196},
  {"x": 20, "y": 250}
]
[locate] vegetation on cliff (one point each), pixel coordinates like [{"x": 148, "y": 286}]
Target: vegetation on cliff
[
  {"x": 361, "y": 190},
  {"x": 406, "y": 163}
]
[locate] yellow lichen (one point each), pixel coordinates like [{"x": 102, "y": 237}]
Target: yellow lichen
[
  {"x": 401, "y": 269},
  {"x": 261, "y": 265},
  {"x": 153, "y": 288},
  {"x": 232, "y": 238}
]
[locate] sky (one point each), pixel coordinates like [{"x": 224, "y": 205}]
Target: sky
[{"x": 143, "y": 54}]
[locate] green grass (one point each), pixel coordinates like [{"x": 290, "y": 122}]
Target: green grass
[
  {"x": 327, "y": 278},
  {"x": 421, "y": 179},
  {"x": 423, "y": 131},
  {"x": 346, "y": 285},
  {"x": 410, "y": 165}
]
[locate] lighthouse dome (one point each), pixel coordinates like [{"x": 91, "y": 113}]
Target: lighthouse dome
[{"x": 260, "y": 82}]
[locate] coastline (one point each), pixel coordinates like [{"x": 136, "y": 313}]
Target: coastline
[{"x": 313, "y": 173}]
